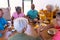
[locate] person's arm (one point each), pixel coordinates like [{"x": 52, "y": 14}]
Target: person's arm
[
  {"x": 51, "y": 25},
  {"x": 45, "y": 28},
  {"x": 38, "y": 17},
  {"x": 51, "y": 16},
  {"x": 41, "y": 31},
  {"x": 48, "y": 27},
  {"x": 12, "y": 20},
  {"x": 28, "y": 16},
  {"x": 5, "y": 24}
]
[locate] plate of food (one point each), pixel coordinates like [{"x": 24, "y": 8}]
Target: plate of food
[{"x": 52, "y": 31}]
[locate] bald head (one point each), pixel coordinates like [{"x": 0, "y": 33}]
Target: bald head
[{"x": 32, "y": 6}]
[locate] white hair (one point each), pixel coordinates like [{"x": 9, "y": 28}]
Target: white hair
[{"x": 20, "y": 24}]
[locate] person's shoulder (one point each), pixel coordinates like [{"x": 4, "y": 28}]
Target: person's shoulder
[
  {"x": 29, "y": 11},
  {"x": 41, "y": 11},
  {"x": 44, "y": 10},
  {"x": 3, "y": 18},
  {"x": 14, "y": 12},
  {"x": 36, "y": 10}
]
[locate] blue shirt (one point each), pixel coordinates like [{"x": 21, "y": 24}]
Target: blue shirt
[
  {"x": 32, "y": 14},
  {"x": 2, "y": 23}
]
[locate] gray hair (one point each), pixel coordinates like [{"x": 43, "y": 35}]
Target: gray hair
[{"x": 20, "y": 24}]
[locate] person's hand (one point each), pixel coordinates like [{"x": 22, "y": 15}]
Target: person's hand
[
  {"x": 35, "y": 19},
  {"x": 40, "y": 21},
  {"x": 41, "y": 30}
]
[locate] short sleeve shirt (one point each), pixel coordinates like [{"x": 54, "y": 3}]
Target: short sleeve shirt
[
  {"x": 15, "y": 15},
  {"x": 2, "y": 23},
  {"x": 32, "y": 14}
]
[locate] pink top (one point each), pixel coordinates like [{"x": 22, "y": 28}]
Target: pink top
[
  {"x": 15, "y": 15},
  {"x": 57, "y": 35}
]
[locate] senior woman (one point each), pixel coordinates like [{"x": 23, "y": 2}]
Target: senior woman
[{"x": 24, "y": 30}]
